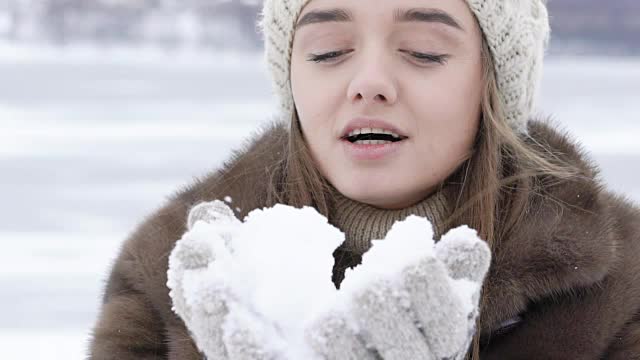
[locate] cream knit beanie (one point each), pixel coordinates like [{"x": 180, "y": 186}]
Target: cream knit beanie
[{"x": 517, "y": 32}]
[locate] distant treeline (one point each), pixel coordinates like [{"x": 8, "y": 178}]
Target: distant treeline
[
  {"x": 611, "y": 26},
  {"x": 212, "y": 23},
  {"x": 595, "y": 25}
]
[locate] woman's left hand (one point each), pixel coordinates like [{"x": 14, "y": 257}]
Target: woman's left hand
[{"x": 429, "y": 314}]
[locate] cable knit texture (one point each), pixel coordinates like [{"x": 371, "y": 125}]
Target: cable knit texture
[{"x": 517, "y": 32}]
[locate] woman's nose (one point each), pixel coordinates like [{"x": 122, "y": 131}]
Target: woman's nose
[{"x": 372, "y": 83}]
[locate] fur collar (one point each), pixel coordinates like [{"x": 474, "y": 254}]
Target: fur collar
[{"x": 565, "y": 242}]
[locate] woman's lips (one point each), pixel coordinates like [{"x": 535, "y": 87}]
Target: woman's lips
[{"x": 361, "y": 152}]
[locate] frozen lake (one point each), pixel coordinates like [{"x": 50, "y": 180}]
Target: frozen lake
[{"x": 91, "y": 142}]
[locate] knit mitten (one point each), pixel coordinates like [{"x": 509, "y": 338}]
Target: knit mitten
[
  {"x": 426, "y": 310},
  {"x": 220, "y": 325}
]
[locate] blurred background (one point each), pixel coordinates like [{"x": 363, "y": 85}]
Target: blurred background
[{"x": 109, "y": 106}]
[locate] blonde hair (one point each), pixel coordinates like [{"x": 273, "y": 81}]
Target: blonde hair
[{"x": 495, "y": 184}]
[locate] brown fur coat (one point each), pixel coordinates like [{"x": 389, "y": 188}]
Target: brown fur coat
[{"x": 571, "y": 269}]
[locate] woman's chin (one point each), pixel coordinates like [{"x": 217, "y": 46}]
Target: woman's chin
[{"x": 375, "y": 194}]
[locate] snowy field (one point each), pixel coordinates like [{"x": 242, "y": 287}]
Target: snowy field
[{"x": 92, "y": 141}]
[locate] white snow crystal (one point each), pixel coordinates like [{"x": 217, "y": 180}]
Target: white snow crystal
[
  {"x": 406, "y": 243},
  {"x": 278, "y": 266},
  {"x": 283, "y": 262}
]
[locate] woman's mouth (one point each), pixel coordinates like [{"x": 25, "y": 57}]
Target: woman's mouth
[
  {"x": 372, "y": 145},
  {"x": 373, "y": 139}
]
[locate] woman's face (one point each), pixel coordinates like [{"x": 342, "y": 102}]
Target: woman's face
[{"x": 418, "y": 71}]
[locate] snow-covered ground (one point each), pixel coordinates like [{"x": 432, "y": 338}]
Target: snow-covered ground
[{"x": 91, "y": 141}]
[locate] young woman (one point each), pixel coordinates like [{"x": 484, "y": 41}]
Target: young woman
[{"x": 424, "y": 107}]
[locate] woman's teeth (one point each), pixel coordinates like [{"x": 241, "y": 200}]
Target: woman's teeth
[
  {"x": 373, "y": 142},
  {"x": 372, "y": 131}
]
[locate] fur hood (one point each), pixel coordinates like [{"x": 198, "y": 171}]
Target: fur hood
[{"x": 564, "y": 285}]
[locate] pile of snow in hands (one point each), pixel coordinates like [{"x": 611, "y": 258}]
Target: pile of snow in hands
[{"x": 272, "y": 272}]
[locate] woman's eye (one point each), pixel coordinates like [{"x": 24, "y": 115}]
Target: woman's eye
[
  {"x": 422, "y": 57},
  {"x": 326, "y": 56},
  {"x": 428, "y": 58}
]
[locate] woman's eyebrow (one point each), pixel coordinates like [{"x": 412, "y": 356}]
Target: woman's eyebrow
[
  {"x": 320, "y": 16},
  {"x": 399, "y": 15},
  {"x": 426, "y": 15}
]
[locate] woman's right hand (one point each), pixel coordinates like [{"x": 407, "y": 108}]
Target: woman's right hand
[{"x": 203, "y": 304}]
